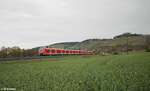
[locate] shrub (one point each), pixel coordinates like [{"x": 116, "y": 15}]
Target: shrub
[{"x": 148, "y": 48}]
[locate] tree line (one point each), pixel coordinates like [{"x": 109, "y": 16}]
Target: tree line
[{"x": 8, "y": 52}]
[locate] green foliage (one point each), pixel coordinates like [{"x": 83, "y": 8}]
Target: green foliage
[
  {"x": 3, "y": 52},
  {"x": 85, "y": 73},
  {"x": 17, "y": 52}
]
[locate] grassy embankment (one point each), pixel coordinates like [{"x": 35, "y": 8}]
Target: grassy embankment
[{"x": 88, "y": 73}]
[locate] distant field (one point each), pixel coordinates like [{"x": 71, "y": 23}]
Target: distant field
[{"x": 87, "y": 73}]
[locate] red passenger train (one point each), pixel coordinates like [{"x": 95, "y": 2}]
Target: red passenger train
[{"x": 55, "y": 52}]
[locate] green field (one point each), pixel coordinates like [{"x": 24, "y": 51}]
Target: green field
[{"x": 85, "y": 73}]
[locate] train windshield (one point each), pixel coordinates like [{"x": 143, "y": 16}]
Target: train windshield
[{"x": 41, "y": 49}]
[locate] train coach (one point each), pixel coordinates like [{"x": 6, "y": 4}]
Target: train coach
[{"x": 62, "y": 52}]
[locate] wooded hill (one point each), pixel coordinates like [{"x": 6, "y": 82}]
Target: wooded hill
[{"x": 120, "y": 43}]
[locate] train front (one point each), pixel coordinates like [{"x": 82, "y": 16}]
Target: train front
[{"x": 41, "y": 51}]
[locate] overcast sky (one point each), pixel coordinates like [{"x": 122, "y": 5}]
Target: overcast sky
[{"x": 32, "y": 23}]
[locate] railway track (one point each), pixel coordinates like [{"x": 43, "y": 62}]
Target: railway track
[{"x": 34, "y": 57}]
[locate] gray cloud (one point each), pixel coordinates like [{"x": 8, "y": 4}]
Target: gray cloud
[{"x": 31, "y": 23}]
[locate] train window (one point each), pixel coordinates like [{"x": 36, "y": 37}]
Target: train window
[
  {"x": 47, "y": 50},
  {"x": 67, "y": 51},
  {"x": 53, "y": 51},
  {"x": 58, "y": 51}
]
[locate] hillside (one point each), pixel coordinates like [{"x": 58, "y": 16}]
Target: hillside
[
  {"x": 118, "y": 43},
  {"x": 102, "y": 43},
  {"x": 63, "y": 45}
]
